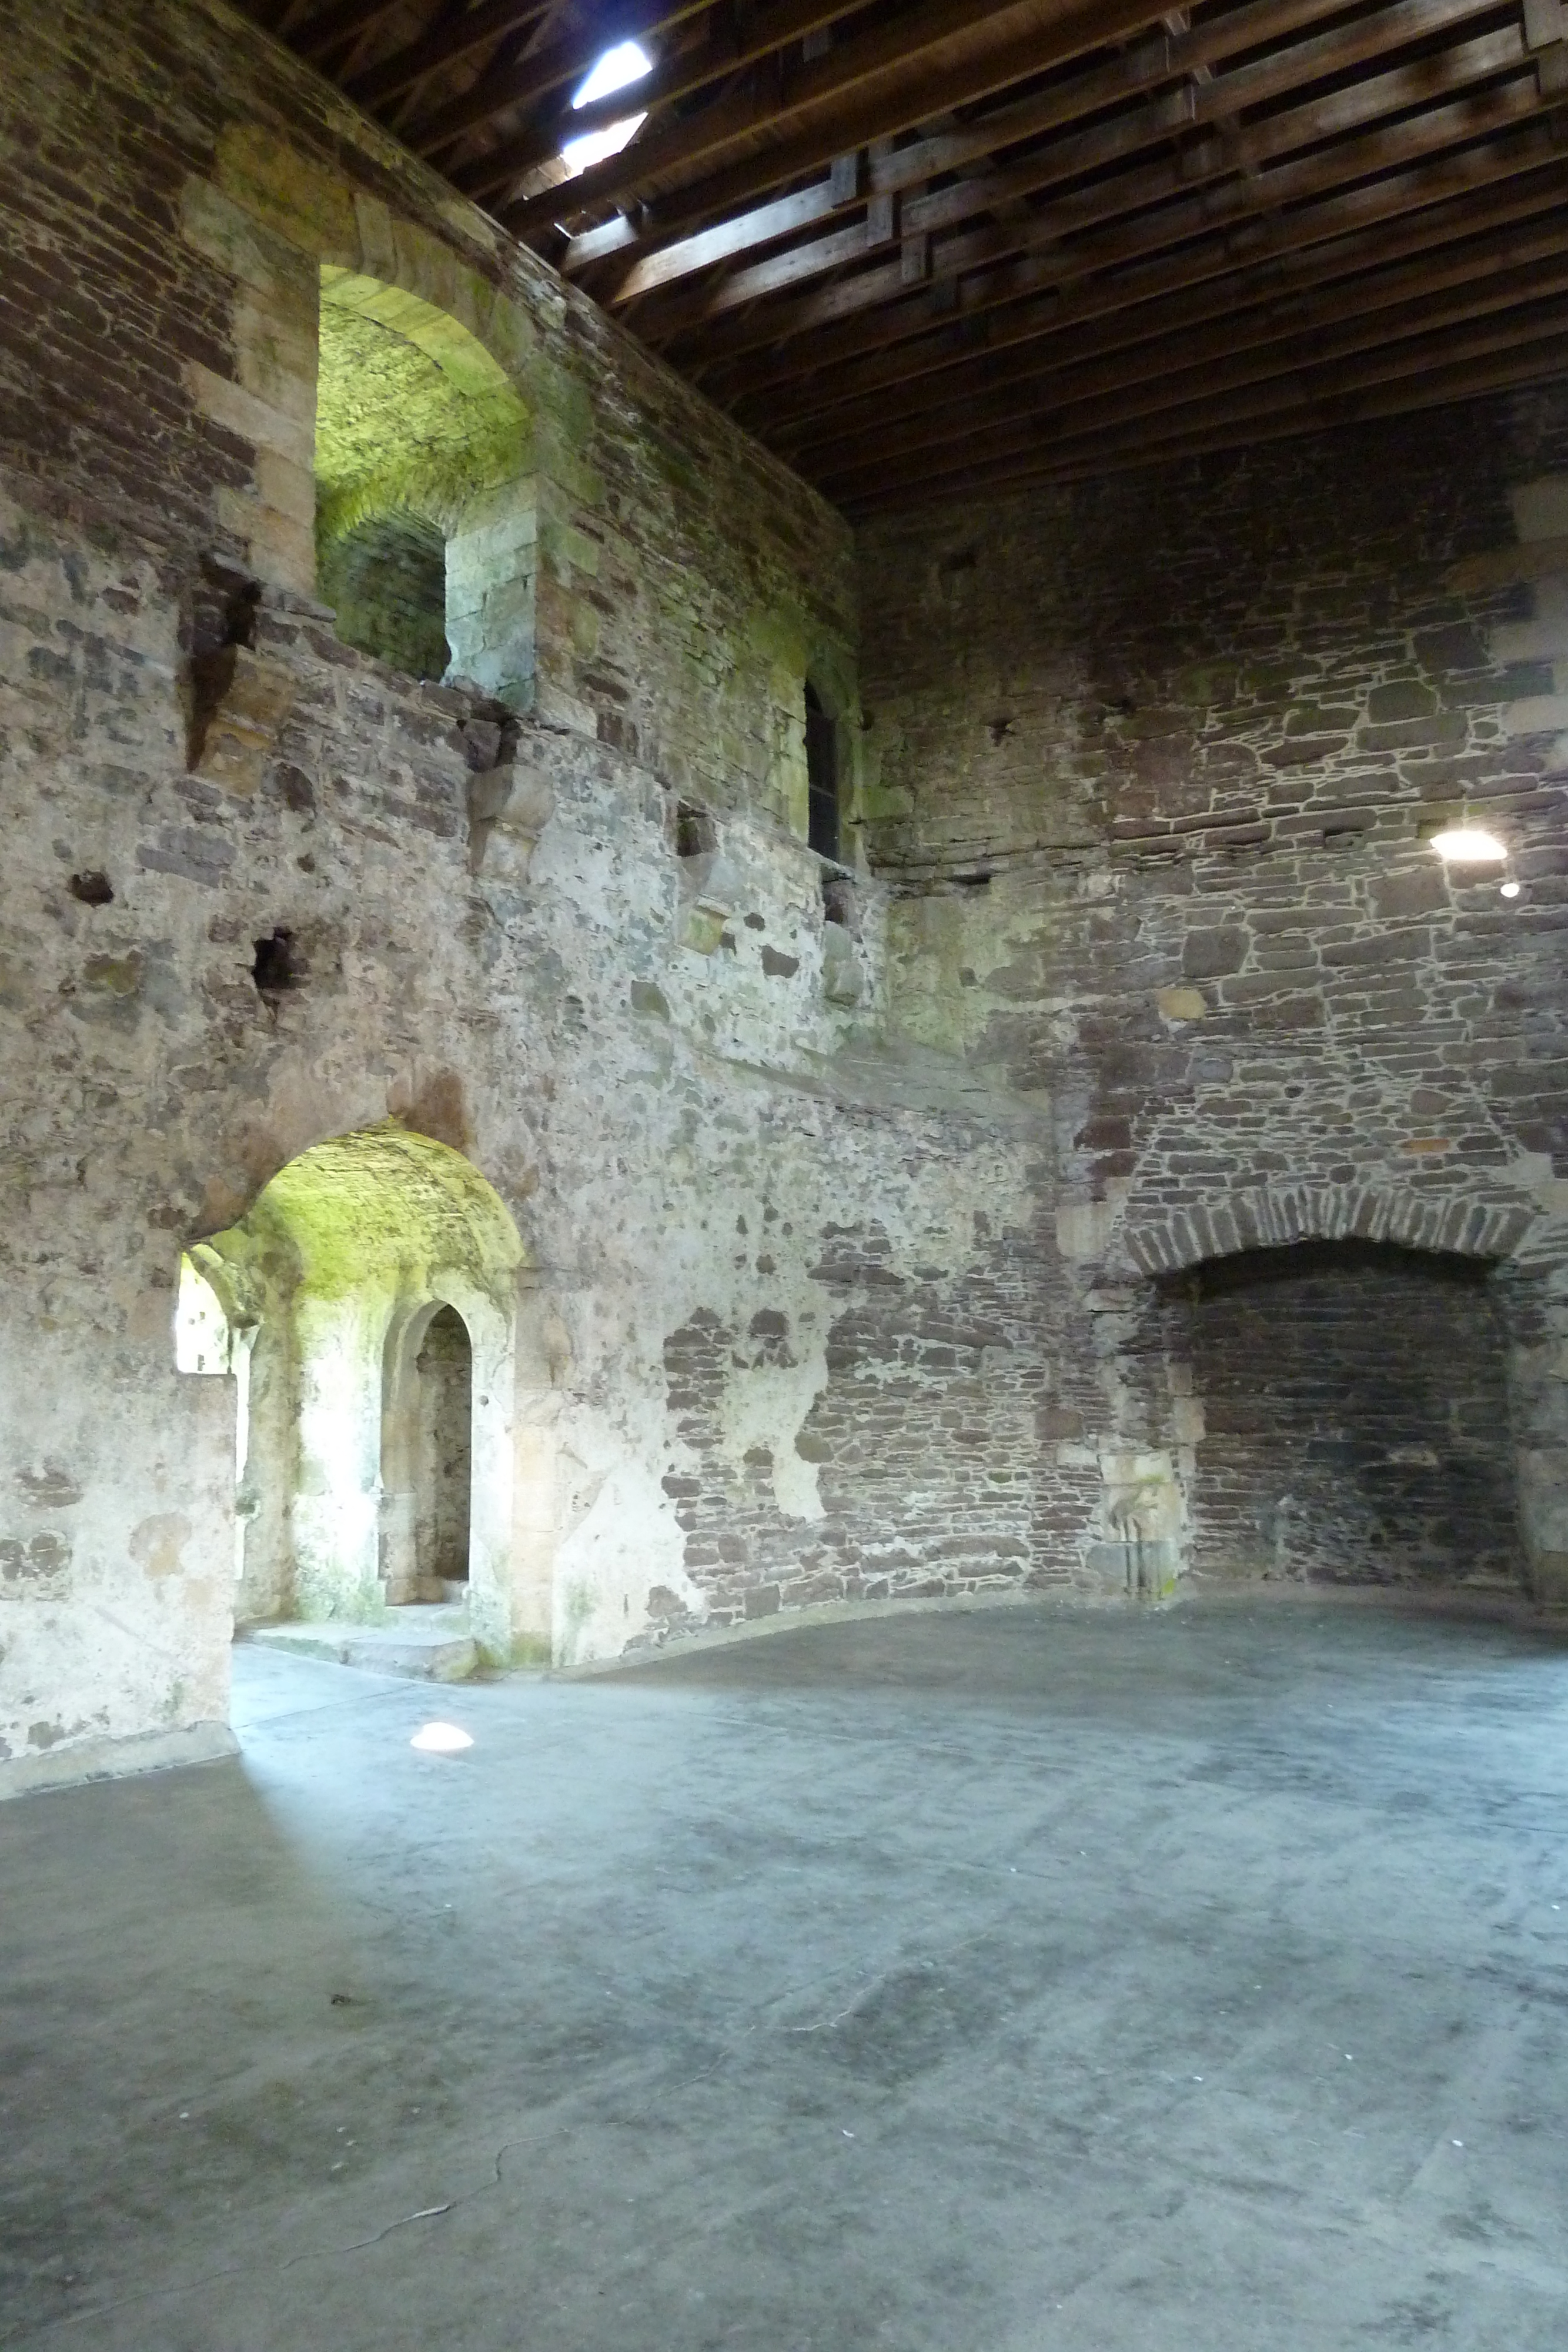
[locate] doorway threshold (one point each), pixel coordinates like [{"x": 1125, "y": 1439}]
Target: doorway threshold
[{"x": 425, "y": 1640}]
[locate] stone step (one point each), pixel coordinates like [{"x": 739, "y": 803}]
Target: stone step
[{"x": 428, "y": 1644}]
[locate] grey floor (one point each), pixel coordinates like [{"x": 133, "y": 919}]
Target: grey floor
[{"x": 992, "y": 1982}]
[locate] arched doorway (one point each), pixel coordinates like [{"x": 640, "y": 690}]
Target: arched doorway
[
  {"x": 377, "y": 1280},
  {"x": 427, "y": 1457},
  {"x": 445, "y": 1371}
]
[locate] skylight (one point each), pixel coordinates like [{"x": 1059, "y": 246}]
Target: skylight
[{"x": 618, "y": 68}]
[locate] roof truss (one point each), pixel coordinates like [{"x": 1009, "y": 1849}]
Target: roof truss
[{"x": 926, "y": 248}]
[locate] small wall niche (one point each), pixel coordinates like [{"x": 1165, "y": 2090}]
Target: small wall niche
[
  {"x": 841, "y": 903},
  {"x": 277, "y": 966},
  {"x": 696, "y": 836}
]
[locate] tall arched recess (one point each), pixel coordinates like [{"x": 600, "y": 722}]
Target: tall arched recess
[
  {"x": 331, "y": 1285},
  {"x": 426, "y": 520}
]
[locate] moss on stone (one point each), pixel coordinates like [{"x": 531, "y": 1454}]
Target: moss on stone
[
  {"x": 376, "y": 1211},
  {"x": 422, "y": 425}
]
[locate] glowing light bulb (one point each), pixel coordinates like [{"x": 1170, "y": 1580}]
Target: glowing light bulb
[
  {"x": 1467, "y": 844},
  {"x": 441, "y": 1739}
]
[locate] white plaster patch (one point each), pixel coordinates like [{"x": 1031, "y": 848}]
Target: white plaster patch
[
  {"x": 626, "y": 1543},
  {"x": 769, "y": 1406}
]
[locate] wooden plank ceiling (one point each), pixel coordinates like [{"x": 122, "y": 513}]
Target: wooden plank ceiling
[{"x": 927, "y": 248}]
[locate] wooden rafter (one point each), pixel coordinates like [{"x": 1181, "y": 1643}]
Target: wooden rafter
[
  {"x": 937, "y": 247},
  {"x": 1497, "y": 274},
  {"x": 1165, "y": 58},
  {"x": 1176, "y": 302},
  {"x": 1151, "y": 126},
  {"x": 681, "y": 76},
  {"x": 877, "y": 84}
]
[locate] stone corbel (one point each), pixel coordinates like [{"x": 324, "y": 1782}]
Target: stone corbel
[
  {"x": 240, "y": 705},
  {"x": 501, "y": 796},
  {"x": 712, "y": 888}
]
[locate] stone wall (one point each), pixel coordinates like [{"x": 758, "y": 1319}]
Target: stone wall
[
  {"x": 173, "y": 187},
  {"x": 265, "y": 890},
  {"x": 386, "y": 583},
  {"x": 1156, "y": 763},
  {"x": 839, "y": 1237}
]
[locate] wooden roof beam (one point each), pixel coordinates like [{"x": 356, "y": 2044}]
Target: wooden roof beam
[
  {"x": 1112, "y": 141},
  {"x": 1114, "y": 316},
  {"x": 1442, "y": 388},
  {"x": 874, "y": 316},
  {"x": 1337, "y": 327},
  {"x": 893, "y": 171},
  {"x": 442, "y": 43},
  {"x": 1435, "y": 391},
  {"x": 333, "y": 28},
  {"x": 1121, "y": 266},
  {"x": 1327, "y": 380},
  {"x": 681, "y": 76},
  {"x": 944, "y": 53},
  {"x": 1165, "y": 59}
]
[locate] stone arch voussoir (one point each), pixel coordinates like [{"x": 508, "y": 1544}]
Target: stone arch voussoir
[{"x": 1273, "y": 1217}]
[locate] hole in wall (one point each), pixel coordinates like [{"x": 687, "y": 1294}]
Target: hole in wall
[
  {"x": 223, "y": 624},
  {"x": 839, "y": 903},
  {"x": 696, "y": 836},
  {"x": 94, "y": 889},
  {"x": 275, "y": 967}
]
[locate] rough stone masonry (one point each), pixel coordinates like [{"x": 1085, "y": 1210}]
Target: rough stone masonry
[{"x": 823, "y": 1234}]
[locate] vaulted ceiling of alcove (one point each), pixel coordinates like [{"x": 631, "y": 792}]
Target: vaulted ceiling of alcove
[
  {"x": 933, "y": 247},
  {"x": 411, "y": 413}
]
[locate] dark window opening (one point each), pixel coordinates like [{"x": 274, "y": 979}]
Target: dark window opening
[
  {"x": 386, "y": 582},
  {"x": 93, "y": 889},
  {"x": 275, "y": 967},
  {"x": 821, "y": 777}
]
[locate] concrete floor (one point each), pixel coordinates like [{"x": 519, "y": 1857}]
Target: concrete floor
[{"x": 1006, "y": 1982}]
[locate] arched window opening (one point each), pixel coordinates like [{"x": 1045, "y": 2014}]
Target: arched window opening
[
  {"x": 822, "y": 826},
  {"x": 426, "y": 506},
  {"x": 443, "y": 1371}
]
